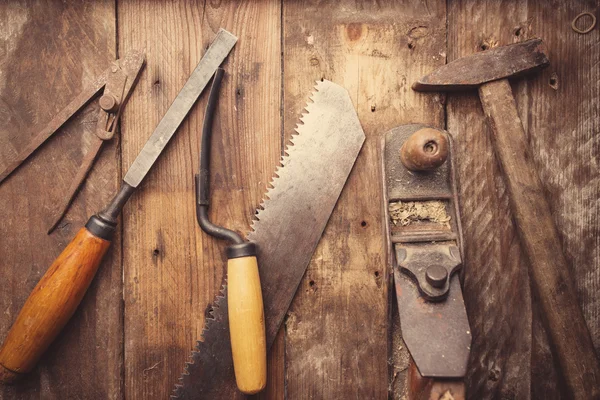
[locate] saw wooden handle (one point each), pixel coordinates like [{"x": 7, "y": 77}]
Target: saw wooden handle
[
  {"x": 247, "y": 324},
  {"x": 548, "y": 267},
  {"x": 51, "y": 304}
]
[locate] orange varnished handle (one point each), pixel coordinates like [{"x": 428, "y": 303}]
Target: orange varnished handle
[{"x": 51, "y": 304}]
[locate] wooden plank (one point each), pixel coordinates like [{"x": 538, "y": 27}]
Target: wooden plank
[
  {"x": 549, "y": 273},
  {"x": 173, "y": 269},
  {"x": 275, "y": 389},
  {"x": 495, "y": 276},
  {"x": 49, "y": 52},
  {"x": 337, "y": 340},
  {"x": 563, "y": 134}
]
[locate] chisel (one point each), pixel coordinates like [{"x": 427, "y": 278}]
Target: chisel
[{"x": 57, "y": 295}]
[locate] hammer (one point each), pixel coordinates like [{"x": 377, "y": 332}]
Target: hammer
[{"x": 550, "y": 278}]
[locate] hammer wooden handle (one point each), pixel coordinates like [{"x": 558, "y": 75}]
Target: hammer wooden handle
[
  {"x": 51, "y": 304},
  {"x": 247, "y": 324},
  {"x": 549, "y": 271}
]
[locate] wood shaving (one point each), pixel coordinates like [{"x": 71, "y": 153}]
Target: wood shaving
[
  {"x": 406, "y": 212},
  {"x": 447, "y": 396}
]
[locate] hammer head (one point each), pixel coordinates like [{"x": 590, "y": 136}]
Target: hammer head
[{"x": 490, "y": 65}]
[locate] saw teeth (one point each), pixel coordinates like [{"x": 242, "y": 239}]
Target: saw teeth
[
  {"x": 209, "y": 320},
  {"x": 288, "y": 148},
  {"x": 303, "y": 136}
]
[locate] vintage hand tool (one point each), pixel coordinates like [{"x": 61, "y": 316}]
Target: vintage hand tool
[
  {"x": 117, "y": 81},
  {"x": 424, "y": 241},
  {"x": 59, "y": 292},
  {"x": 245, "y": 303},
  {"x": 548, "y": 268},
  {"x": 286, "y": 231}
]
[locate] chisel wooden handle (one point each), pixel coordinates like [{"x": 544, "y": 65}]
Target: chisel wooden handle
[
  {"x": 247, "y": 324},
  {"x": 51, "y": 304}
]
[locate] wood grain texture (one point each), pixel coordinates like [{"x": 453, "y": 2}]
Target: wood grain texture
[
  {"x": 276, "y": 380},
  {"x": 173, "y": 269},
  {"x": 337, "y": 328},
  {"x": 52, "y": 302},
  {"x": 495, "y": 274},
  {"x": 337, "y": 340},
  {"x": 551, "y": 280},
  {"x": 563, "y": 123},
  {"x": 246, "y": 315},
  {"x": 420, "y": 388},
  {"x": 49, "y": 51},
  {"x": 503, "y": 367}
]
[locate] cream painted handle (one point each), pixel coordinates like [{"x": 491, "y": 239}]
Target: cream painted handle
[{"x": 247, "y": 324}]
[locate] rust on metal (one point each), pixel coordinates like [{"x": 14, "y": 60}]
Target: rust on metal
[
  {"x": 548, "y": 267},
  {"x": 474, "y": 70},
  {"x": 117, "y": 82},
  {"x": 430, "y": 266},
  {"x": 425, "y": 255},
  {"x": 287, "y": 229},
  {"x": 59, "y": 120},
  {"x": 108, "y": 103}
]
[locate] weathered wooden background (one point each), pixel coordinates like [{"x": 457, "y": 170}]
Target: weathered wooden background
[{"x": 141, "y": 317}]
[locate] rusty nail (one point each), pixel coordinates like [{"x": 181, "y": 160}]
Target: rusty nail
[{"x": 108, "y": 103}]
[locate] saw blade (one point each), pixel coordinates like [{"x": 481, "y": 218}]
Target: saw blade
[{"x": 287, "y": 228}]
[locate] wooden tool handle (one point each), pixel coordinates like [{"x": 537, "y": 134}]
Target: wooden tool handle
[
  {"x": 549, "y": 271},
  {"x": 51, "y": 304},
  {"x": 247, "y": 324}
]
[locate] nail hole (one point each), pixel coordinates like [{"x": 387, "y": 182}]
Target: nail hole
[
  {"x": 494, "y": 374},
  {"x": 484, "y": 46},
  {"x": 518, "y": 31},
  {"x": 411, "y": 46},
  {"x": 322, "y": 79},
  {"x": 372, "y": 108},
  {"x": 363, "y": 223},
  {"x": 156, "y": 253},
  {"x": 157, "y": 82},
  {"x": 376, "y": 274},
  {"x": 238, "y": 91},
  {"x": 311, "y": 283},
  {"x": 553, "y": 81},
  {"x": 430, "y": 147}
]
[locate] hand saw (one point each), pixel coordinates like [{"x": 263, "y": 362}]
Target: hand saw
[
  {"x": 287, "y": 229},
  {"x": 117, "y": 81},
  {"x": 57, "y": 295},
  {"x": 424, "y": 242}
]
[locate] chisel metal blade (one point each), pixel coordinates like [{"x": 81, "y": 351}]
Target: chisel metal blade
[
  {"x": 187, "y": 97},
  {"x": 287, "y": 229}
]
